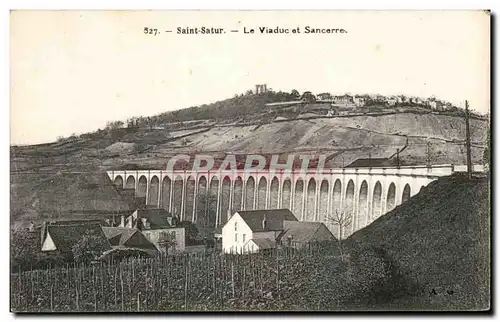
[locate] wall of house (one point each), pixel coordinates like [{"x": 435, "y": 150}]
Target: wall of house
[
  {"x": 251, "y": 247},
  {"x": 48, "y": 244},
  {"x": 229, "y": 242},
  {"x": 154, "y": 236}
]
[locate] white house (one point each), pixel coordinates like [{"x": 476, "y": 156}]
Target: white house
[
  {"x": 359, "y": 101},
  {"x": 261, "y": 227}
]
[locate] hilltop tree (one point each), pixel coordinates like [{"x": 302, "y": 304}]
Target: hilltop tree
[
  {"x": 114, "y": 125},
  {"x": 295, "y": 93}
]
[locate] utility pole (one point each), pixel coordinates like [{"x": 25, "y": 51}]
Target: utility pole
[
  {"x": 428, "y": 154},
  {"x": 467, "y": 140},
  {"x": 397, "y": 158}
]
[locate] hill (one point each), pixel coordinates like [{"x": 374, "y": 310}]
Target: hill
[
  {"x": 440, "y": 240},
  {"x": 74, "y": 195},
  {"x": 245, "y": 125}
]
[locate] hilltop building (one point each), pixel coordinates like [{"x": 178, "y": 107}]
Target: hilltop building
[
  {"x": 359, "y": 101},
  {"x": 343, "y": 99},
  {"x": 324, "y": 97},
  {"x": 260, "y": 88}
]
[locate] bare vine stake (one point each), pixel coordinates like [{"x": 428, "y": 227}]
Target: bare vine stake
[
  {"x": 232, "y": 277},
  {"x": 214, "y": 276},
  {"x": 168, "y": 276},
  {"x": 138, "y": 302},
  {"x": 32, "y": 287},
  {"x": 252, "y": 267},
  {"x": 243, "y": 284},
  {"x": 261, "y": 274},
  {"x": 130, "y": 301},
  {"x": 94, "y": 288},
  {"x": 51, "y": 298},
  {"x": 185, "y": 283},
  {"x": 114, "y": 286},
  {"x": 102, "y": 272},
  {"x": 121, "y": 282},
  {"x": 223, "y": 279},
  {"x": 19, "y": 289},
  {"x": 161, "y": 292}
]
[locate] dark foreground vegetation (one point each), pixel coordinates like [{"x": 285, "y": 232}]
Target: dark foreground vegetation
[
  {"x": 315, "y": 278},
  {"x": 430, "y": 253}
]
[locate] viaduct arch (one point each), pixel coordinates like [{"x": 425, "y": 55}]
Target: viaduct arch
[{"x": 365, "y": 194}]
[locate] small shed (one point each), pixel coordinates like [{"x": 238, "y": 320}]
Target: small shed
[{"x": 259, "y": 244}]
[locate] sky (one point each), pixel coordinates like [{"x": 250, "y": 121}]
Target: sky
[{"x": 73, "y": 71}]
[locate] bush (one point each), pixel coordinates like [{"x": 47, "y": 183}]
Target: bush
[
  {"x": 372, "y": 277},
  {"x": 25, "y": 252},
  {"x": 118, "y": 254}
]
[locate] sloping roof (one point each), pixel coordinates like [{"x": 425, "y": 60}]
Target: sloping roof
[
  {"x": 66, "y": 222},
  {"x": 129, "y": 237},
  {"x": 302, "y": 231},
  {"x": 90, "y": 192},
  {"x": 65, "y": 236},
  {"x": 263, "y": 243},
  {"x": 157, "y": 217},
  {"x": 371, "y": 162},
  {"x": 274, "y": 218}
]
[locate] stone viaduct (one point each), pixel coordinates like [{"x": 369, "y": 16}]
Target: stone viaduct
[{"x": 206, "y": 197}]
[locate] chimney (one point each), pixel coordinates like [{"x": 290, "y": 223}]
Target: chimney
[
  {"x": 145, "y": 223},
  {"x": 229, "y": 214},
  {"x": 264, "y": 223},
  {"x": 122, "y": 221}
]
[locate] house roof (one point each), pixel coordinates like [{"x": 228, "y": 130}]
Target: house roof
[
  {"x": 157, "y": 217},
  {"x": 66, "y": 222},
  {"x": 371, "y": 162},
  {"x": 127, "y": 237},
  {"x": 263, "y": 243},
  {"x": 66, "y": 236},
  {"x": 274, "y": 218},
  {"x": 301, "y": 231}
]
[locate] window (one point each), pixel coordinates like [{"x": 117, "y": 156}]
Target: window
[
  {"x": 244, "y": 237},
  {"x": 236, "y": 238},
  {"x": 236, "y": 226}
]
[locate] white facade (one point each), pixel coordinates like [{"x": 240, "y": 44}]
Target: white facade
[
  {"x": 236, "y": 234},
  {"x": 48, "y": 244}
]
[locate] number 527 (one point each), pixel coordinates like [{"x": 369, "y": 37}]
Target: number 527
[{"x": 150, "y": 31}]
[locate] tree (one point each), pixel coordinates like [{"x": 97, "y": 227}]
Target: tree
[
  {"x": 191, "y": 231},
  {"x": 342, "y": 220},
  {"x": 486, "y": 154},
  {"x": 89, "y": 247},
  {"x": 149, "y": 122},
  {"x": 114, "y": 125},
  {"x": 166, "y": 241},
  {"x": 295, "y": 93}
]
